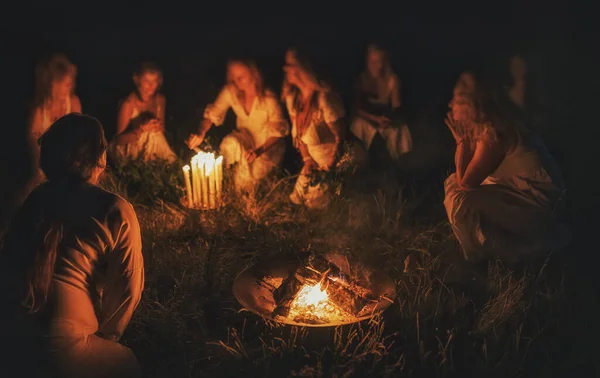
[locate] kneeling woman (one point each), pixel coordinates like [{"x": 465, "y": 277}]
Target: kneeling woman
[
  {"x": 257, "y": 146},
  {"x": 141, "y": 122},
  {"x": 71, "y": 266},
  {"x": 378, "y": 104},
  {"x": 318, "y": 128},
  {"x": 501, "y": 200}
]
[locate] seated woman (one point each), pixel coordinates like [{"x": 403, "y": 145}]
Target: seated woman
[
  {"x": 141, "y": 122},
  {"x": 501, "y": 200},
  {"x": 71, "y": 265},
  {"x": 54, "y": 94},
  {"x": 257, "y": 146},
  {"x": 378, "y": 105},
  {"x": 54, "y": 98},
  {"x": 318, "y": 129}
]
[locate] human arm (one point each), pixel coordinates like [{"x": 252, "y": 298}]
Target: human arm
[
  {"x": 486, "y": 157},
  {"x": 333, "y": 114},
  {"x": 123, "y": 135},
  {"x": 396, "y": 97},
  {"x": 361, "y": 109},
  {"x": 214, "y": 114},
  {"x": 125, "y": 273},
  {"x": 278, "y": 127}
]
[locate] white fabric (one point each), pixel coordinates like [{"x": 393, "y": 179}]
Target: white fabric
[
  {"x": 97, "y": 283},
  {"x": 319, "y": 142},
  {"x": 512, "y": 213},
  {"x": 397, "y": 137},
  {"x": 264, "y": 121},
  {"x": 151, "y": 145}
]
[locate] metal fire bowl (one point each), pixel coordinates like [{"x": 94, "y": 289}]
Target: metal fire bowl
[{"x": 259, "y": 300}]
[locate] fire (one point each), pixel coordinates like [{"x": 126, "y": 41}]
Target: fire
[{"x": 312, "y": 303}]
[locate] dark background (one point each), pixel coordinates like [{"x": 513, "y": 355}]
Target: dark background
[{"x": 430, "y": 44}]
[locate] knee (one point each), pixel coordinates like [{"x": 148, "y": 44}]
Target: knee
[{"x": 229, "y": 142}]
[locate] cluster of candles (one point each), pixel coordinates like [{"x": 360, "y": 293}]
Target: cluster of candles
[{"x": 204, "y": 181}]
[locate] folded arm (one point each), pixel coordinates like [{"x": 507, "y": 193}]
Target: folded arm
[{"x": 486, "y": 157}]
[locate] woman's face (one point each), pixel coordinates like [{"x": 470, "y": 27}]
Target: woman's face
[
  {"x": 375, "y": 62},
  {"x": 63, "y": 87},
  {"x": 462, "y": 104},
  {"x": 147, "y": 84},
  {"x": 241, "y": 76},
  {"x": 291, "y": 68}
]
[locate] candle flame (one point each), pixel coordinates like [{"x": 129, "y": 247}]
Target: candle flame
[{"x": 186, "y": 168}]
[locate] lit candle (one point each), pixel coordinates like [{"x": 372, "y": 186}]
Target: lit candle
[
  {"x": 210, "y": 178},
  {"x": 204, "y": 180},
  {"x": 219, "y": 177},
  {"x": 188, "y": 184},
  {"x": 195, "y": 182}
]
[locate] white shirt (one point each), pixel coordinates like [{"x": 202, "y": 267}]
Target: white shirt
[{"x": 265, "y": 119}]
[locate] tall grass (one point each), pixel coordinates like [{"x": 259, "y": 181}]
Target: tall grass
[{"x": 449, "y": 318}]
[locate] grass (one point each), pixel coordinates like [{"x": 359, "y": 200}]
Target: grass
[{"x": 449, "y": 318}]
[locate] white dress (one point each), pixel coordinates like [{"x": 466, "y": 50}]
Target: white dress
[
  {"x": 397, "y": 136},
  {"x": 151, "y": 145},
  {"x": 265, "y": 120},
  {"x": 513, "y": 212},
  {"x": 320, "y": 143}
]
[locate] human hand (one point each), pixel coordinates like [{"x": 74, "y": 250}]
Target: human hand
[
  {"x": 194, "y": 141},
  {"x": 152, "y": 126},
  {"x": 454, "y": 127},
  {"x": 250, "y": 155},
  {"x": 309, "y": 167},
  {"x": 383, "y": 122}
]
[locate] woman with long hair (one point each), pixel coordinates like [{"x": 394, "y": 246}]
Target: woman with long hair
[
  {"x": 378, "y": 102},
  {"x": 141, "y": 121},
  {"x": 54, "y": 93},
  {"x": 318, "y": 129},
  {"x": 503, "y": 200},
  {"x": 257, "y": 146},
  {"x": 71, "y": 264}
]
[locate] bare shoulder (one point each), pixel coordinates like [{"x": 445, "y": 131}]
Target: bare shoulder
[{"x": 75, "y": 102}]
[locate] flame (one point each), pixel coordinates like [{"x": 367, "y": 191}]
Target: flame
[{"x": 312, "y": 305}]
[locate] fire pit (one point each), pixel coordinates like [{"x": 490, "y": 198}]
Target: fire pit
[{"x": 313, "y": 292}]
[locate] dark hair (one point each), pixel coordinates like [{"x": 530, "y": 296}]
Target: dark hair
[
  {"x": 71, "y": 148},
  {"x": 51, "y": 69}
]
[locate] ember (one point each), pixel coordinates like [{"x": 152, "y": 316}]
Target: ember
[{"x": 314, "y": 292}]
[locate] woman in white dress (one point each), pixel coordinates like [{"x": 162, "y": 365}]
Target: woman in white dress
[
  {"x": 54, "y": 97},
  {"x": 71, "y": 266},
  {"x": 318, "y": 129},
  {"x": 257, "y": 146},
  {"x": 503, "y": 200},
  {"x": 141, "y": 121},
  {"x": 378, "y": 102}
]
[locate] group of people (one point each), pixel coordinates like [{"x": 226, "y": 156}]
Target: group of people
[
  {"x": 257, "y": 146},
  {"x": 71, "y": 263}
]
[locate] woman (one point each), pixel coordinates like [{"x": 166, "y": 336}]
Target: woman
[
  {"x": 257, "y": 145},
  {"x": 378, "y": 105},
  {"x": 71, "y": 264},
  {"x": 141, "y": 121},
  {"x": 501, "y": 200},
  {"x": 318, "y": 128},
  {"x": 54, "y": 94}
]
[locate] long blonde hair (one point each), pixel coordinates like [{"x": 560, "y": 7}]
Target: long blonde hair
[
  {"x": 304, "y": 65},
  {"x": 254, "y": 72},
  {"x": 48, "y": 71}
]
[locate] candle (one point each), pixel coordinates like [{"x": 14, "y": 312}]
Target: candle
[
  {"x": 204, "y": 180},
  {"x": 219, "y": 177},
  {"x": 188, "y": 184},
  {"x": 211, "y": 182},
  {"x": 206, "y": 186},
  {"x": 195, "y": 182}
]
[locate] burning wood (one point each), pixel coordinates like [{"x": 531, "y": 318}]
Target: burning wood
[{"x": 318, "y": 292}]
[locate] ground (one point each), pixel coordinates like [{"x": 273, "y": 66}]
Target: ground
[{"x": 450, "y": 318}]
